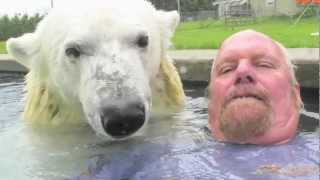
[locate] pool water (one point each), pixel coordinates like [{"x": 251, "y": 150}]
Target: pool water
[{"x": 176, "y": 146}]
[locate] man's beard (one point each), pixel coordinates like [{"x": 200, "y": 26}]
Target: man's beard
[{"x": 246, "y": 116}]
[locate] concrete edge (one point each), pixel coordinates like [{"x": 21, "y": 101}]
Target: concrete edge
[{"x": 195, "y": 65}]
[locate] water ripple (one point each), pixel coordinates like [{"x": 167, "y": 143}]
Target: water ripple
[{"x": 177, "y": 146}]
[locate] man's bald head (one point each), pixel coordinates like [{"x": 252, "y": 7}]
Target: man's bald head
[{"x": 252, "y": 35}]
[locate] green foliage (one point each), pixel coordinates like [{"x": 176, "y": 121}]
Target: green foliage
[
  {"x": 17, "y": 25},
  {"x": 185, "y": 5},
  {"x": 194, "y": 35},
  {"x": 196, "y": 5},
  {"x": 210, "y": 34}
]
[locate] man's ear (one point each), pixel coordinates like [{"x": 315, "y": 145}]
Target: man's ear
[
  {"x": 23, "y": 48},
  {"x": 297, "y": 95},
  {"x": 168, "y": 22}
]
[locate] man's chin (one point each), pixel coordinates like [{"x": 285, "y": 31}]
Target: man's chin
[{"x": 243, "y": 118}]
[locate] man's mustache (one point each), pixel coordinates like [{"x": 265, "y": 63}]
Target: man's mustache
[{"x": 245, "y": 91}]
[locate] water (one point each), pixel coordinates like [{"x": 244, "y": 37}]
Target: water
[{"x": 177, "y": 146}]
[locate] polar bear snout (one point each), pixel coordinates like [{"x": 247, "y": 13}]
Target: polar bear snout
[{"x": 122, "y": 118}]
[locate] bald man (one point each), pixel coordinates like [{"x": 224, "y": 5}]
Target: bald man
[{"x": 254, "y": 95}]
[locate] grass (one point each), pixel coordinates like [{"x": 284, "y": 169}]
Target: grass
[
  {"x": 2, "y": 47},
  {"x": 210, "y": 34}
]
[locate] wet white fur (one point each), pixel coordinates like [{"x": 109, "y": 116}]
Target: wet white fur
[{"x": 63, "y": 90}]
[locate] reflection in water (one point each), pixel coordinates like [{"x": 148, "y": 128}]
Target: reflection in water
[{"x": 177, "y": 146}]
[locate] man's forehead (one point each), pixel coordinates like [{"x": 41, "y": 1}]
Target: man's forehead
[
  {"x": 248, "y": 43},
  {"x": 248, "y": 36}
]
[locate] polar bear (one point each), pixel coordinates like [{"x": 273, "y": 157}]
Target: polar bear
[{"x": 100, "y": 62}]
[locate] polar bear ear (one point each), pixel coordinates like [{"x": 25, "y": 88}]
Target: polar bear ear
[
  {"x": 169, "y": 21},
  {"x": 23, "y": 48}
]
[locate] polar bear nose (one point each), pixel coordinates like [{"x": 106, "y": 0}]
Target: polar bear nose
[{"x": 122, "y": 118}]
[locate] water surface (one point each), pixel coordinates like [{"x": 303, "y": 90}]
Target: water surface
[{"x": 177, "y": 146}]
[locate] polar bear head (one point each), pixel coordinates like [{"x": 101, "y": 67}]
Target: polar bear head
[{"x": 95, "y": 61}]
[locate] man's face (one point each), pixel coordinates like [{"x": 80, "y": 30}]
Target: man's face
[{"x": 253, "y": 99}]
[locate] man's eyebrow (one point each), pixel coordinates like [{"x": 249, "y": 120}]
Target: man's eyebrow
[
  {"x": 228, "y": 58},
  {"x": 265, "y": 56}
]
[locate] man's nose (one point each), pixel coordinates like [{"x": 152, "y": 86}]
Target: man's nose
[
  {"x": 122, "y": 118},
  {"x": 244, "y": 73}
]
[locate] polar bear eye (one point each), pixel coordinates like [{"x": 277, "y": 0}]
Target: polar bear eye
[
  {"x": 73, "y": 52},
  {"x": 142, "y": 41}
]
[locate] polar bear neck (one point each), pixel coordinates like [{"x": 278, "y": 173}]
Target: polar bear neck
[
  {"x": 44, "y": 106},
  {"x": 167, "y": 89}
]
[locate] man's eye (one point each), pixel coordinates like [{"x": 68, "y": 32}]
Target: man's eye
[
  {"x": 225, "y": 70},
  {"x": 265, "y": 65},
  {"x": 73, "y": 52}
]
